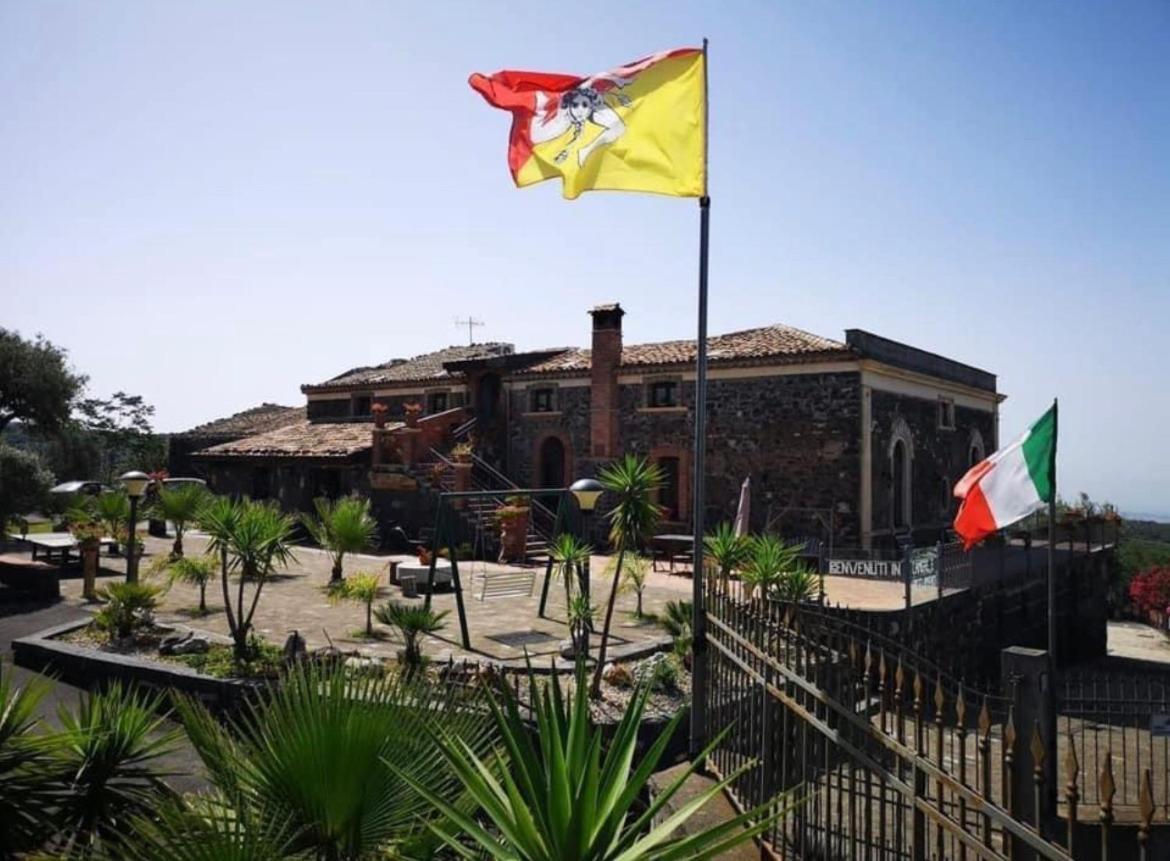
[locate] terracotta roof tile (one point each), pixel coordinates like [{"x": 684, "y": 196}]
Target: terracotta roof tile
[
  {"x": 768, "y": 342},
  {"x": 300, "y": 439},
  {"x": 428, "y": 366},
  {"x": 259, "y": 419}
]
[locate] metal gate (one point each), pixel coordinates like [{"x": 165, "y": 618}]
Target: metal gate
[{"x": 884, "y": 755}]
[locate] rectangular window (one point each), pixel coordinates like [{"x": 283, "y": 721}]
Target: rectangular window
[
  {"x": 946, "y": 414},
  {"x": 437, "y": 402},
  {"x": 663, "y": 393},
  {"x": 543, "y": 401},
  {"x": 362, "y": 404}
]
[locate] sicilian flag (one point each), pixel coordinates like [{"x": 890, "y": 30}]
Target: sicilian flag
[
  {"x": 1011, "y": 484},
  {"x": 639, "y": 127}
]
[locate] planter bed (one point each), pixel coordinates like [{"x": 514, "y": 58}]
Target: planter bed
[{"x": 66, "y": 653}]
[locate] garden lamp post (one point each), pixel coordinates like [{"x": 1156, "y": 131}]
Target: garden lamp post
[
  {"x": 587, "y": 491},
  {"x": 135, "y": 483}
]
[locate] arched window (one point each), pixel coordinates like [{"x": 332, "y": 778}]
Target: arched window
[
  {"x": 901, "y": 474},
  {"x": 975, "y": 449}
]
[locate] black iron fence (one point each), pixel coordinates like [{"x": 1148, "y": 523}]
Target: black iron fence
[{"x": 885, "y": 756}]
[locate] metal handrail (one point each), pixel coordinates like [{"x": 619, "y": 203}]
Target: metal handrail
[{"x": 509, "y": 484}]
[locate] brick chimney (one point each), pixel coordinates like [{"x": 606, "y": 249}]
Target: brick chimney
[{"x": 607, "y": 356}]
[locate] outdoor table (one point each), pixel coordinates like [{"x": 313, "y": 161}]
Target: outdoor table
[
  {"x": 53, "y": 547},
  {"x": 419, "y": 573},
  {"x": 673, "y": 546}
]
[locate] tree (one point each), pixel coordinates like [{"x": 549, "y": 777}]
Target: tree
[
  {"x": 181, "y": 506},
  {"x": 24, "y": 483},
  {"x": 340, "y": 527},
  {"x": 314, "y": 768},
  {"x": 634, "y": 482},
  {"x": 123, "y": 425},
  {"x": 570, "y": 791},
  {"x": 36, "y": 382},
  {"x": 570, "y": 555},
  {"x": 252, "y": 540},
  {"x": 768, "y": 561}
]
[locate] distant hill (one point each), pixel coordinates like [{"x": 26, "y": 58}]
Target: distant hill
[
  {"x": 1144, "y": 543},
  {"x": 1153, "y": 517}
]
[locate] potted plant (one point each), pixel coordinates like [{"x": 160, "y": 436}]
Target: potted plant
[
  {"x": 89, "y": 535},
  {"x": 513, "y": 518},
  {"x": 413, "y": 410},
  {"x": 380, "y": 411},
  {"x": 461, "y": 453}
]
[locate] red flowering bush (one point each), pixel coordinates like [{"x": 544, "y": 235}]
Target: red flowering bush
[{"x": 1149, "y": 590}]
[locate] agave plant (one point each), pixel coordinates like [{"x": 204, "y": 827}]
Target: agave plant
[
  {"x": 340, "y": 527},
  {"x": 180, "y": 505},
  {"x": 314, "y": 769},
  {"x": 252, "y": 540},
  {"x": 562, "y": 794},
  {"x": 412, "y": 621},
  {"x": 111, "y": 750},
  {"x": 769, "y": 561},
  {"x": 633, "y": 482},
  {"x": 727, "y": 550},
  {"x": 25, "y": 763}
]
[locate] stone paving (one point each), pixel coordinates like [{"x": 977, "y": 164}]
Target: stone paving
[{"x": 500, "y": 627}]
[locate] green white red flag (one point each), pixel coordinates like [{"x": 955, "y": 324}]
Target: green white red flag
[{"x": 1011, "y": 484}]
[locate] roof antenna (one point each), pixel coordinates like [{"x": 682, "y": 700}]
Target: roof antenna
[{"x": 470, "y": 323}]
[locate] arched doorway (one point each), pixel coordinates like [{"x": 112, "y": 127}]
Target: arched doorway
[
  {"x": 552, "y": 462},
  {"x": 900, "y": 469}
]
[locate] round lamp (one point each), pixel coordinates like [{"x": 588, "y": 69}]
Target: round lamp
[
  {"x": 586, "y": 491},
  {"x": 135, "y": 483}
]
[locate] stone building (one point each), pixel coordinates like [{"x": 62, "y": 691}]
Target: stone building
[
  {"x": 257, "y": 420},
  {"x": 863, "y": 437}
]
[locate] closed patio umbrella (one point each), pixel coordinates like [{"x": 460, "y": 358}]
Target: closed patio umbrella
[{"x": 743, "y": 514}]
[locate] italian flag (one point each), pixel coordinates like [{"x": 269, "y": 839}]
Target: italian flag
[{"x": 1011, "y": 484}]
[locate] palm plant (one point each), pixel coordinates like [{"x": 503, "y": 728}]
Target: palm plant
[
  {"x": 180, "y": 505},
  {"x": 314, "y": 769},
  {"x": 412, "y": 621},
  {"x": 109, "y": 753},
  {"x": 25, "y": 763},
  {"x": 129, "y": 606},
  {"x": 678, "y": 619},
  {"x": 727, "y": 549},
  {"x": 561, "y": 794},
  {"x": 253, "y": 540},
  {"x": 580, "y": 613},
  {"x": 341, "y": 526},
  {"x": 363, "y": 587},
  {"x": 767, "y": 564},
  {"x": 633, "y": 483},
  {"x": 570, "y": 557},
  {"x": 634, "y": 577},
  {"x": 195, "y": 571},
  {"x": 112, "y": 509},
  {"x": 798, "y": 584}
]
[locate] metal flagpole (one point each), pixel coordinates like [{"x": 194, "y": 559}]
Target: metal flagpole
[
  {"x": 699, "y": 619},
  {"x": 1052, "y": 546}
]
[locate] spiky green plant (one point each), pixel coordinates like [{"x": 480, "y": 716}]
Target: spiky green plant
[
  {"x": 562, "y": 793},
  {"x": 129, "y": 607},
  {"x": 109, "y": 753},
  {"x": 798, "y": 584},
  {"x": 253, "y": 540},
  {"x": 195, "y": 571},
  {"x": 581, "y": 614},
  {"x": 678, "y": 619},
  {"x": 726, "y": 550},
  {"x": 314, "y": 769},
  {"x": 632, "y": 483},
  {"x": 570, "y": 557},
  {"x": 364, "y": 587},
  {"x": 770, "y": 559},
  {"x": 180, "y": 505},
  {"x": 634, "y": 577},
  {"x": 25, "y": 765},
  {"x": 412, "y": 621},
  {"x": 341, "y": 526}
]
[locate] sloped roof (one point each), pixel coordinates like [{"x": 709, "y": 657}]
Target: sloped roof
[
  {"x": 777, "y": 342},
  {"x": 428, "y": 366},
  {"x": 300, "y": 439},
  {"x": 256, "y": 420}
]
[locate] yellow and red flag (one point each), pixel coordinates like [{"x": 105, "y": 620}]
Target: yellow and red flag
[{"x": 640, "y": 127}]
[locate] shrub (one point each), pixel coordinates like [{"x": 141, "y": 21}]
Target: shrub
[
  {"x": 129, "y": 608},
  {"x": 1150, "y": 590},
  {"x": 412, "y": 621},
  {"x": 677, "y": 618},
  {"x": 361, "y": 588}
]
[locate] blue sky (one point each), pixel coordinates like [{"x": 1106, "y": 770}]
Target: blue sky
[{"x": 211, "y": 203}]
